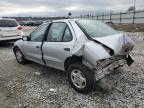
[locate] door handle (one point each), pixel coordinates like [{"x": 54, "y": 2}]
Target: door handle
[
  {"x": 67, "y": 49},
  {"x": 37, "y": 46}
]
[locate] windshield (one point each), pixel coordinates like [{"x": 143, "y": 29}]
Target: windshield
[
  {"x": 95, "y": 28},
  {"x": 8, "y": 23}
]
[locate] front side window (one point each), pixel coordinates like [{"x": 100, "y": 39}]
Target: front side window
[
  {"x": 39, "y": 33},
  {"x": 56, "y": 32},
  {"x": 95, "y": 29}
]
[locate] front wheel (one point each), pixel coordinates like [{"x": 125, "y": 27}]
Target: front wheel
[
  {"x": 19, "y": 56},
  {"x": 81, "y": 78}
]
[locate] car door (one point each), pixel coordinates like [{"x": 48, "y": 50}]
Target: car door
[
  {"x": 32, "y": 47},
  {"x": 58, "y": 45}
]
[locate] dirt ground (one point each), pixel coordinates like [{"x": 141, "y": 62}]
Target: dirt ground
[
  {"x": 36, "y": 86},
  {"x": 129, "y": 27}
]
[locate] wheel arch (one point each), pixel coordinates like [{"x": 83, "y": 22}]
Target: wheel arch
[
  {"x": 15, "y": 48},
  {"x": 71, "y": 60},
  {"x": 18, "y": 48}
]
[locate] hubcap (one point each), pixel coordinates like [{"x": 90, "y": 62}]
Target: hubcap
[
  {"x": 18, "y": 55},
  {"x": 78, "y": 79}
]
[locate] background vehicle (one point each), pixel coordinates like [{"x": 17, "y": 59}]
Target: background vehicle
[
  {"x": 86, "y": 49},
  {"x": 22, "y": 23},
  {"x": 10, "y": 30},
  {"x": 33, "y": 23}
]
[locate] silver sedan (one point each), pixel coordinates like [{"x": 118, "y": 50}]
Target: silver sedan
[{"x": 87, "y": 50}]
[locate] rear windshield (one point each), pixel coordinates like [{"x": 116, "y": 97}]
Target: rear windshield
[
  {"x": 95, "y": 28},
  {"x": 8, "y": 23}
]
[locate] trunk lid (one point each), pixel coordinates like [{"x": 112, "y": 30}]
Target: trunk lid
[{"x": 119, "y": 43}]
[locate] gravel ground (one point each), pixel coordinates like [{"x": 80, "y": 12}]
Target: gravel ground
[{"x": 36, "y": 86}]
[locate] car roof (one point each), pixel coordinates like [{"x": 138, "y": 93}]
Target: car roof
[
  {"x": 63, "y": 20},
  {"x": 49, "y": 21},
  {"x": 66, "y": 20}
]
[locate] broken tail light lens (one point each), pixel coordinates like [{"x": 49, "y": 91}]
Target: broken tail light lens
[{"x": 127, "y": 49}]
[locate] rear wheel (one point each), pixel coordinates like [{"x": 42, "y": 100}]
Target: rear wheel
[
  {"x": 19, "y": 56},
  {"x": 81, "y": 78}
]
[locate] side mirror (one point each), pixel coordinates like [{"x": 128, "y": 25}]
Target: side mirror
[{"x": 25, "y": 38}]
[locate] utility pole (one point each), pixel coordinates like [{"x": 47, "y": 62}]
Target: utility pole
[
  {"x": 134, "y": 15},
  {"x": 134, "y": 4}
]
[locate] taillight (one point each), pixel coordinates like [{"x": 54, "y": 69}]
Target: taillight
[
  {"x": 20, "y": 28},
  {"x": 128, "y": 50}
]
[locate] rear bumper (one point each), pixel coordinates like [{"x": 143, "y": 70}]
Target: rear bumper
[
  {"x": 99, "y": 74},
  {"x": 10, "y": 38}
]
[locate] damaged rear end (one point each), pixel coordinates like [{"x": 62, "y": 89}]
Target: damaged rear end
[
  {"x": 107, "y": 50},
  {"x": 105, "y": 54}
]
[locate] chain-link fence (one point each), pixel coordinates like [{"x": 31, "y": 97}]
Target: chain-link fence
[
  {"x": 126, "y": 21},
  {"x": 119, "y": 17}
]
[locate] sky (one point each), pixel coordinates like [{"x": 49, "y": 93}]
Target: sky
[{"x": 63, "y": 7}]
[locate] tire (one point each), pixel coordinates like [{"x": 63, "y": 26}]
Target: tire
[
  {"x": 81, "y": 78},
  {"x": 19, "y": 56}
]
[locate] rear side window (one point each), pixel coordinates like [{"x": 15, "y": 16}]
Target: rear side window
[
  {"x": 67, "y": 35},
  {"x": 8, "y": 23},
  {"x": 56, "y": 32}
]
